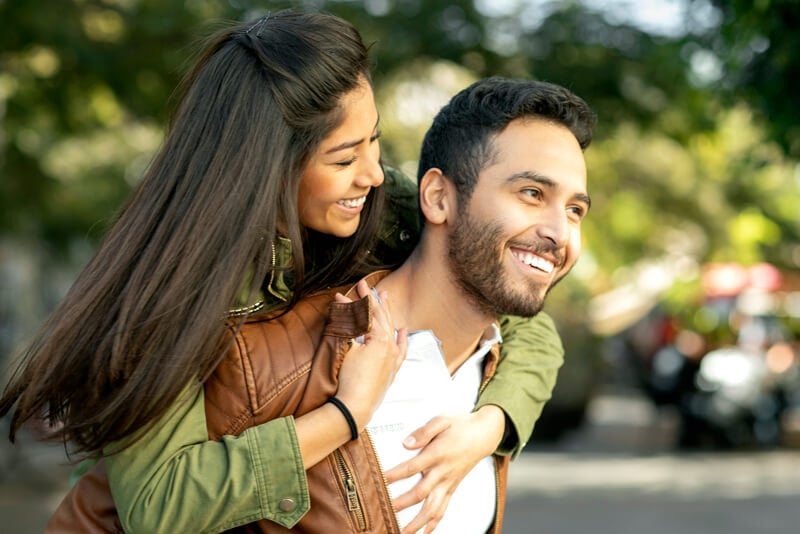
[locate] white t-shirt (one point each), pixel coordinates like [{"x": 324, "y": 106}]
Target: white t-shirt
[{"x": 423, "y": 389}]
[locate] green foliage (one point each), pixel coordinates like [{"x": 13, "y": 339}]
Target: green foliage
[
  {"x": 682, "y": 165},
  {"x": 82, "y": 97},
  {"x": 757, "y": 44}
]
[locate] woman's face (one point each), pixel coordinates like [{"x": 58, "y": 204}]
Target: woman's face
[{"x": 345, "y": 167}]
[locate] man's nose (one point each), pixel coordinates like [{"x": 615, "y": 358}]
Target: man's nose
[{"x": 554, "y": 227}]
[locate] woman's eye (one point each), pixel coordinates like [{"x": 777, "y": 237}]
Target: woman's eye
[{"x": 345, "y": 163}]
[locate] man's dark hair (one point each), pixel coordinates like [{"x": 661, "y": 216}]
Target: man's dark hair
[{"x": 460, "y": 140}]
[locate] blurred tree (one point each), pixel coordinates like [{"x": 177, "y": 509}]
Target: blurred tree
[
  {"x": 725, "y": 194},
  {"x": 84, "y": 92},
  {"x": 756, "y": 43}
]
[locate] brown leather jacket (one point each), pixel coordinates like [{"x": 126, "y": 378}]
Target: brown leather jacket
[{"x": 288, "y": 365}]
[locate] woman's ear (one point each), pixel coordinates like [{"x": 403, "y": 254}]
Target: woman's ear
[{"x": 436, "y": 196}]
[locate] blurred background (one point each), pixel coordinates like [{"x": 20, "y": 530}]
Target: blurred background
[{"x": 679, "y": 402}]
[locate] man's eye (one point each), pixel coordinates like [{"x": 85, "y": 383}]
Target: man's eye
[
  {"x": 535, "y": 193},
  {"x": 577, "y": 211}
]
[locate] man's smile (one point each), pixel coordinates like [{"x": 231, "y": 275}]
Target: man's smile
[{"x": 533, "y": 260}]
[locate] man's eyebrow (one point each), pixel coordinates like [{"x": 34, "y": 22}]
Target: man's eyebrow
[
  {"x": 528, "y": 176},
  {"x": 586, "y": 199},
  {"x": 350, "y": 144}
]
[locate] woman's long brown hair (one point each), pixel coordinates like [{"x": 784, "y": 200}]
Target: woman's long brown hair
[{"x": 146, "y": 315}]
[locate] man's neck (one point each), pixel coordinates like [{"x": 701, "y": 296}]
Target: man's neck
[{"x": 424, "y": 297}]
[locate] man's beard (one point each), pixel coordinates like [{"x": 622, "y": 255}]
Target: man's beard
[{"x": 480, "y": 274}]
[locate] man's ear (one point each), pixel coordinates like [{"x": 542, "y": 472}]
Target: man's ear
[{"x": 436, "y": 196}]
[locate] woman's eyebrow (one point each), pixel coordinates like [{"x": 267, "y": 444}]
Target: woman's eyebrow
[
  {"x": 351, "y": 144},
  {"x": 342, "y": 146}
]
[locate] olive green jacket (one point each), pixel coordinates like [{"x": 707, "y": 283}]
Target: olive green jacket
[{"x": 175, "y": 480}]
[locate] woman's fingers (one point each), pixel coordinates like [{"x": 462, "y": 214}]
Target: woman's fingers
[
  {"x": 450, "y": 447},
  {"x": 369, "y": 368},
  {"x": 424, "y": 434},
  {"x": 431, "y": 513},
  {"x": 338, "y": 297},
  {"x": 431, "y": 456}
]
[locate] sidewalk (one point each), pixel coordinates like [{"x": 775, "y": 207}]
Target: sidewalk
[{"x": 33, "y": 479}]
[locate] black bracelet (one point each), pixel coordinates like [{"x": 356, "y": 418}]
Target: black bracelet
[{"x": 347, "y": 415}]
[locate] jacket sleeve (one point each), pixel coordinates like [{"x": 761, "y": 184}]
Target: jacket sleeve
[
  {"x": 530, "y": 356},
  {"x": 174, "y": 480}
]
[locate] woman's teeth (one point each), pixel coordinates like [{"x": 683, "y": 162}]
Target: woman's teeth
[{"x": 352, "y": 203}]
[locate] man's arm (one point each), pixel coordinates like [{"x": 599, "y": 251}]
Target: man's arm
[{"x": 530, "y": 356}]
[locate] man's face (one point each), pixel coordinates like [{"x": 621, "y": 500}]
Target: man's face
[{"x": 519, "y": 234}]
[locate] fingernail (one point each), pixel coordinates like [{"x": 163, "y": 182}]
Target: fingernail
[{"x": 409, "y": 441}]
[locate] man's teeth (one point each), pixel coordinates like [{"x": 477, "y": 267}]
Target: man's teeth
[
  {"x": 352, "y": 203},
  {"x": 534, "y": 261}
]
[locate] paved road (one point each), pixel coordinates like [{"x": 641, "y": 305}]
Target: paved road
[
  {"x": 575, "y": 492},
  {"x": 618, "y": 474},
  {"x": 571, "y": 493},
  {"x": 33, "y": 479}
]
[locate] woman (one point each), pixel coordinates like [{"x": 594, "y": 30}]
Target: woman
[{"x": 264, "y": 152}]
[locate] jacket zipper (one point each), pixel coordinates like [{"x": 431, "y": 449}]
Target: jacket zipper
[
  {"x": 496, "y": 492},
  {"x": 274, "y": 265},
  {"x": 496, "y": 468},
  {"x": 383, "y": 476},
  {"x": 353, "y": 501}
]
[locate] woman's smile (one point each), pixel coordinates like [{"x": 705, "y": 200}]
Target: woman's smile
[
  {"x": 354, "y": 205},
  {"x": 346, "y": 167}
]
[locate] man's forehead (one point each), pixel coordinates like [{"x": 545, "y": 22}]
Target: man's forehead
[{"x": 535, "y": 147}]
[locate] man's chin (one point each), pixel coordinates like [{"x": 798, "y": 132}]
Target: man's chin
[{"x": 520, "y": 307}]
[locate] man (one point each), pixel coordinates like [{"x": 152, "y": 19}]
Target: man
[
  {"x": 502, "y": 184},
  {"x": 502, "y": 187}
]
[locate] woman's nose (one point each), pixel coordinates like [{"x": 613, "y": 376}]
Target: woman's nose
[{"x": 371, "y": 172}]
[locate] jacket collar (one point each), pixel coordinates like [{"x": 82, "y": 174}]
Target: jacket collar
[{"x": 277, "y": 290}]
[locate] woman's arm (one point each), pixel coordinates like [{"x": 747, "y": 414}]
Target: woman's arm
[
  {"x": 530, "y": 357},
  {"x": 175, "y": 480}
]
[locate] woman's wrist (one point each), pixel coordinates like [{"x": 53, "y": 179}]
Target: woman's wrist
[
  {"x": 348, "y": 417},
  {"x": 355, "y": 406},
  {"x": 492, "y": 421}
]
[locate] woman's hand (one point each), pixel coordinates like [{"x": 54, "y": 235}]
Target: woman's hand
[
  {"x": 367, "y": 372},
  {"x": 451, "y": 447},
  {"x": 370, "y": 367}
]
